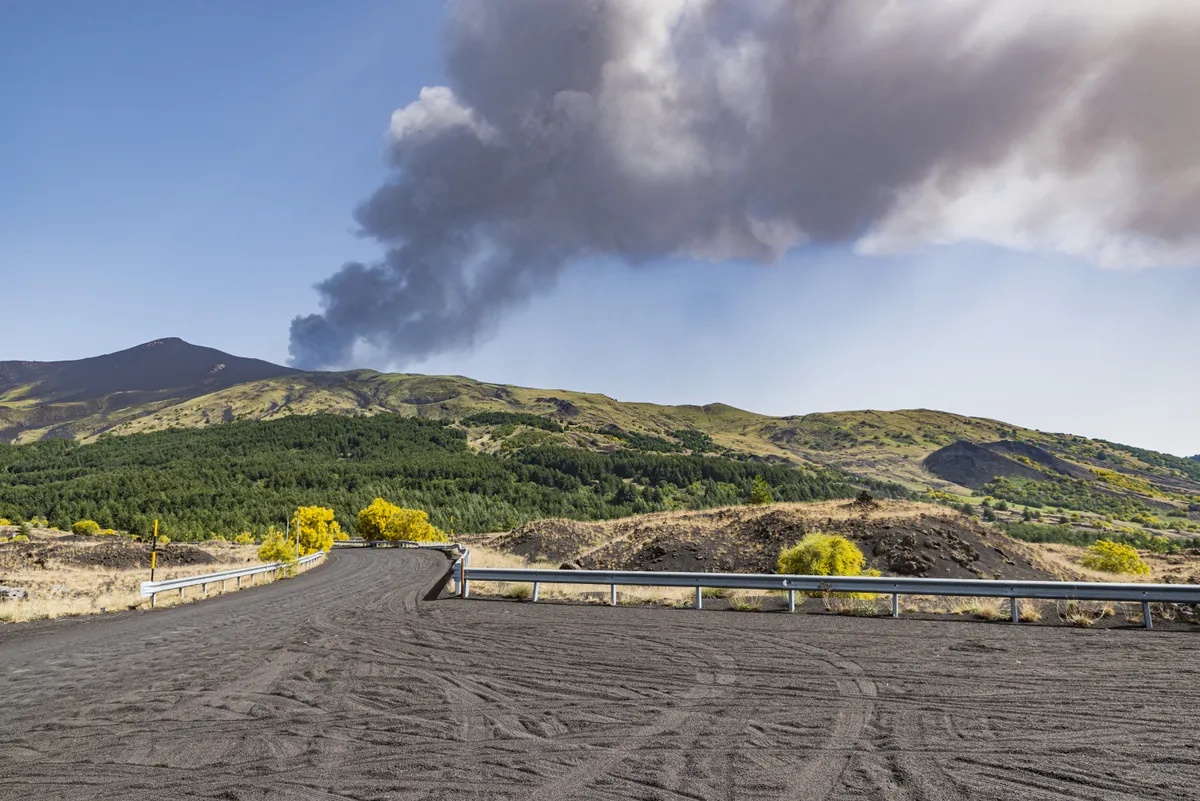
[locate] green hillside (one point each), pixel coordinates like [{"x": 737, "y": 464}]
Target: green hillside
[
  {"x": 248, "y": 475},
  {"x": 960, "y": 458}
]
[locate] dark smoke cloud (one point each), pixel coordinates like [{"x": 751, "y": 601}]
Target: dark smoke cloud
[{"x": 732, "y": 130}]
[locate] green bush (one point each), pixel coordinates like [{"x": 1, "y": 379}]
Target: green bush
[
  {"x": 1114, "y": 557},
  {"x": 85, "y": 527},
  {"x": 822, "y": 555},
  {"x": 826, "y": 555},
  {"x": 277, "y": 548}
]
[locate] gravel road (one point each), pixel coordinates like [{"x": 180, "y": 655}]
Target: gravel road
[{"x": 344, "y": 684}]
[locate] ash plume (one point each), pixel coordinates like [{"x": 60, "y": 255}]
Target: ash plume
[{"x": 725, "y": 130}]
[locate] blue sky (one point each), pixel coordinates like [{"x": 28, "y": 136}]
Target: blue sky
[{"x": 190, "y": 169}]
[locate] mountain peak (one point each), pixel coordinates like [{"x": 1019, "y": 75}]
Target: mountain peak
[{"x": 167, "y": 369}]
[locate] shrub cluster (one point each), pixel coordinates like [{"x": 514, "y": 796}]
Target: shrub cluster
[
  {"x": 826, "y": 555},
  {"x": 385, "y": 521},
  {"x": 1114, "y": 557}
]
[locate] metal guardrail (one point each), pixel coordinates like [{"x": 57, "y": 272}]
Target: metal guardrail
[
  {"x": 879, "y": 585},
  {"x": 153, "y": 588}
]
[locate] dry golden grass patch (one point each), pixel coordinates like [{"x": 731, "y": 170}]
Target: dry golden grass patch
[
  {"x": 59, "y": 590},
  {"x": 1063, "y": 561},
  {"x": 1085, "y": 613}
]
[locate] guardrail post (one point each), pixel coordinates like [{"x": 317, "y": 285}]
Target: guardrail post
[
  {"x": 612, "y": 594},
  {"x": 1146, "y": 615},
  {"x": 224, "y": 585},
  {"x": 537, "y": 585},
  {"x": 466, "y": 585},
  {"x": 699, "y": 598},
  {"x": 239, "y": 582},
  {"x": 181, "y": 589},
  {"x": 204, "y": 590},
  {"x": 153, "y": 599},
  {"x": 895, "y": 604},
  {"x": 1016, "y": 616},
  {"x": 791, "y": 601}
]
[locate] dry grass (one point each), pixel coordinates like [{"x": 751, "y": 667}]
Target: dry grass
[
  {"x": 747, "y": 601},
  {"x": 1029, "y": 611},
  {"x": 61, "y": 590},
  {"x": 1063, "y": 561},
  {"x": 857, "y": 607},
  {"x": 984, "y": 608},
  {"x": 1084, "y": 613}
]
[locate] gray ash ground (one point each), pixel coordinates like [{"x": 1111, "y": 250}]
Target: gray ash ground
[{"x": 345, "y": 683}]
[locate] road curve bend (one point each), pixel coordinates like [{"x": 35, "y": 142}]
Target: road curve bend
[{"x": 345, "y": 682}]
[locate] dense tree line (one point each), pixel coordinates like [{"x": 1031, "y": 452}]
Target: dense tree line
[
  {"x": 696, "y": 441},
  {"x": 1189, "y": 467},
  {"x": 641, "y": 442},
  {"x": 512, "y": 419},
  {"x": 250, "y": 475}
]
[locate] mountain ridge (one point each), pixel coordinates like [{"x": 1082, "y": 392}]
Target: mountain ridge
[{"x": 170, "y": 384}]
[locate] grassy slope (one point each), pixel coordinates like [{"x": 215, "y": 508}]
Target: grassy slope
[{"x": 884, "y": 445}]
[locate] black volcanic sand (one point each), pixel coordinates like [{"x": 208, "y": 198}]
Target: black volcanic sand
[
  {"x": 343, "y": 683},
  {"x": 113, "y": 553},
  {"x": 745, "y": 540}
]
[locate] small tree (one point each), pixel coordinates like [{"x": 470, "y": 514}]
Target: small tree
[
  {"x": 85, "y": 527},
  {"x": 317, "y": 529},
  {"x": 23, "y": 530},
  {"x": 1114, "y": 557},
  {"x": 760, "y": 493},
  {"x": 386, "y": 521}
]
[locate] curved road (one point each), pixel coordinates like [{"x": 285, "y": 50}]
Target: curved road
[{"x": 344, "y": 684}]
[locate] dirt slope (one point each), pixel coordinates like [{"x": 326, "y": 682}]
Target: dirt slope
[{"x": 898, "y": 538}]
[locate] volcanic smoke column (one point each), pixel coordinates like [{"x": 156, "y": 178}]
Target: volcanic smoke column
[{"x": 703, "y": 128}]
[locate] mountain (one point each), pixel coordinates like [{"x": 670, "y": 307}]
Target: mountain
[
  {"x": 85, "y": 397},
  {"x": 169, "y": 384}
]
